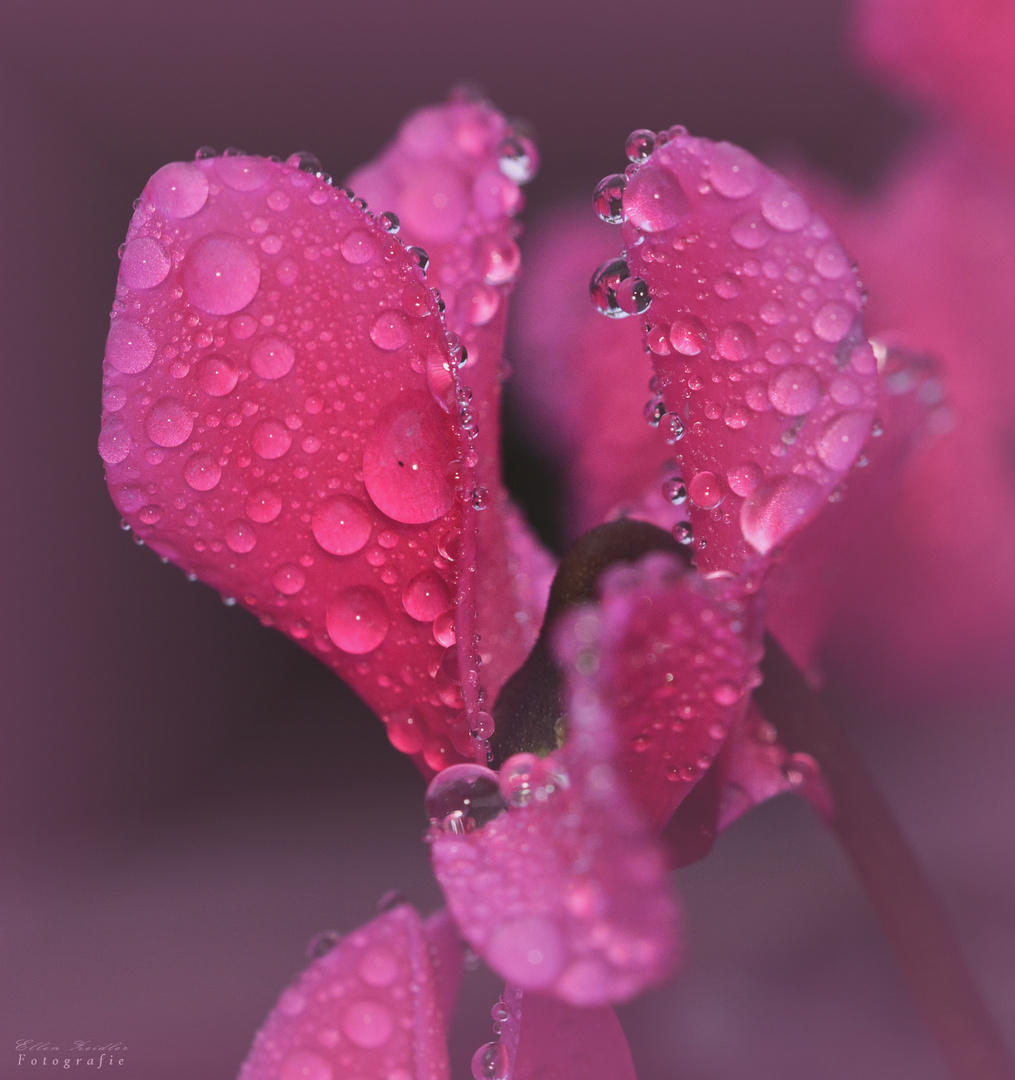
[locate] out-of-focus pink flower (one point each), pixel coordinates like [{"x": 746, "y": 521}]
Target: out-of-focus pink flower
[{"x": 300, "y": 408}]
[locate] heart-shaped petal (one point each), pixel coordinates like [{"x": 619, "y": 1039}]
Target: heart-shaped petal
[
  {"x": 368, "y": 1008},
  {"x": 281, "y": 421},
  {"x": 766, "y": 382}
]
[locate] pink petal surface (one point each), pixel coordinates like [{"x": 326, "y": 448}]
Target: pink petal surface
[
  {"x": 276, "y": 387},
  {"x": 452, "y": 176},
  {"x": 677, "y": 659},
  {"x": 767, "y": 384},
  {"x": 565, "y": 891},
  {"x": 957, "y": 56},
  {"x": 546, "y": 1039},
  {"x": 369, "y": 1009},
  {"x": 447, "y": 957}
]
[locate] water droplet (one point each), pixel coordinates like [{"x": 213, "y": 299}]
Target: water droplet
[
  {"x": 794, "y": 391},
  {"x": 517, "y": 159},
  {"x": 491, "y": 1062},
  {"x": 654, "y": 411},
  {"x": 672, "y": 428},
  {"x": 421, "y": 257},
  {"x": 683, "y": 533},
  {"x": 653, "y": 200},
  {"x": 358, "y": 620},
  {"x": 498, "y": 259},
  {"x": 529, "y": 951},
  {"x": 463, "y": 798},
  {"x": 522, "y": 777},
  {"x": 633, "y": 296},
  {"x": 833, "y": 321},
  {"x": 242, "y": 172},
  {"x": 688, "y": 336},
  {"x": 221, "y": 274},
  {"x": 321, "y": 944},
  {"x": 639, "y": 145},
  {"x": 341, "y": 525},
  {"x": 271, "y": 358},
  {"x": 270, "y": 439},
  {"x": 359, "y": 247},
  {"x": 608, "y": 198},
  {"x": 743, "y": 479},
  {"x": 178, "y": 190},
  {"x": 289, "y": 579},
  {"x": 726, "y": 287},
  {"x": 735, "y": 343},
  {"x": 305, "y": 1065},
  {"x": 479, "y": 302},
  {"x": 114, "y": 441},
  {"x": 784, "y": 209},
  {"x": 426, "y": 596},
  {"x": 406, "y": 732},
  {"x": 145, "y": 263},
  {"x": 378, "y": 967},
  {"x": 217, "y": 376},
  {"x": 750, "y": 232},
  {"x": 202, "y": 472},
  {"x": 706, "y": 490},
  {"x": 389, "y": 222},
  {"x": 675, "y": 490},
  {"x": 368, "y": 1024},
  {"x": 604, "y": 285},
  {"x": 479, "y": 497},
  {"x": 263, "y": 505},
  {"x": 732, "y": 171},
  {"x": 842, "y": 439},
  {"x": 240, "y": 537},
  {"x": 390, "y": 330},
  {"x": 168, "y": 423},
  {"x": 129, "y": 347},
  {"x": 778, "y": 508},
  {"x": 405, "y": 461},
  {"x": 831, "y": 262},
  {"x": 444, "y": 629}
]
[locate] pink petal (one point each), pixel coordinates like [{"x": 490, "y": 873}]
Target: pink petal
[
  {"x": 956, "y": 56},
  {"x": 565, "y": 892},
  {"x": 452, "y": 176},
  {"x": 447, "y": 956},
  {"x": 676, "y": 661},
  {"x": 275, "y": 423},
  {"x": 545, "y": 1039},
  {"x": 367, "y": 1008},
  {"x": 767, "y": 384}
]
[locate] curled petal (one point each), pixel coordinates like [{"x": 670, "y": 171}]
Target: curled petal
[
  {"x": 767, "y": 384},
  {"x": 452, "y": 176},
  {"x": 565, "y": 892},
  {"x": 279, "y": 420},
  {"x": 369, "y": 1007}
]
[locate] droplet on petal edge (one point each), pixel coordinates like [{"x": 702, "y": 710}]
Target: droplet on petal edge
[
  {"x": 274, "y": 340},
  {"x": 757, "y": 363}
]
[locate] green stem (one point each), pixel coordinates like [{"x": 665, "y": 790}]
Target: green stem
[{"x": 910, "y": 912}]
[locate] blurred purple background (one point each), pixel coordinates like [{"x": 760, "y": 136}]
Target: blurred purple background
[{"x": 187, "y": 798}]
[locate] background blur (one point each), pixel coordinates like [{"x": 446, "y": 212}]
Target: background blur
[{"x": 186, "y": 798}]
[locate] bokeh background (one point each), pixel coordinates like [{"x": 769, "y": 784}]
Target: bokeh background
[{"x": 186, "y": 798}]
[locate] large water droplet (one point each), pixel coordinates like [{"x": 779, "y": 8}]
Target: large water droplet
[
  {"x": 426, "y": 596},
  {"x": 178, "y": 190},
  {"x": 114, "y": 441},
  {"x": 463, "y": 797},
  {"x": 359, "y": 247},
  {"x": 608, "y": 198},
  {"x": 145, "y": 263},
  {"x": 794, "y": 391},
  {"x": 736, "y": 342},
  {"x": 528, "y": 951},
  {"x": 221, "y": 274},
  {"x": 243, "y": 172},
  {"x": 168, "y": 423},
  {"x": 368, "y": 1024},
  {"x": 833, "y": 321},
  {"x": 654, "y": 200},
  {"x": 842, "y": 439},
  {"x": 604, "y": 286},
  {"x": 390, "y": 330},
  {"x": 784, "y": 209},
  {"x": 776, "y": 509},
  {"x": 217, "y": 376},
  {"x": 341, "y": 525},
  {"x": 732, "y": 171},
  {"x": 240, "y": 537},
  {"x": 405, "y": 460},
  {"x": 407, "y": 732},
  {"x": 706, "y": 490},
  {"x": 378, "y": 967},
  {"x": 638, "y": 146},
  {"x": 289, "y": 579},
  {"x": 129, "y": 347},
  {"x": 202, "y": 472},
  {"x": 263, "y": 505},
  {"x": 358, "y": 620},
  {"x": 491, "y": 1062},
  {"x": 271, "y": 358},
  {"x": 270, "y": 439}
]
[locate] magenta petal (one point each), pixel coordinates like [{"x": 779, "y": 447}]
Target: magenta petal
[
  {"x": 452, "y": 176},
  {"x": 368, "y": 1008},
  {"x": 765, "y": 374},
  {"x": 550, "y": 1040},
  {"x": 447, "y": 956},
  {"x": 276, "y": 422},
  {"x": 566, "y": 893}
]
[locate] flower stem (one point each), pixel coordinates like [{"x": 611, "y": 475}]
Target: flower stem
[{"x": 910, "y": 912}]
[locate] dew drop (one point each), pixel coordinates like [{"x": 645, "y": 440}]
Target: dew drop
[
  {"x": 653, "y": 200},
  {"x": 744, "y": 478},
  {"x": 168, "y": 423},
  {"x": 517, "y": 159},
  {"x": 426, "y": 596},
  {"x": 528, "y": 951},
  {"x": 672, "y": 428},
  {"x": 735, "y": 343},
  {"x": 833, "y": 321},
  {"x": 776, "y": 509},
  {"x": 675, "y": 490},
  {"x": 688, "y": 336},
  {"x": 341, "y": 525},
  {"x": 263, "y": 505},
  {"x": 444, "y": 629},
  {"x": 367, "y": 1024},
  {"x": 706, "y": 490},
  {"x": 240, "y": 537},
  {"x": 733, "y": 172},
  {"x": 794, "y": 391},
  {"x": 608, "y": 198},
  {"x": 639, "y": 145},
  {"x": 831, "y": 262},
  {"x": 479, "y": 302},
  {"x": 683, "y": 533},
  {"x": 491, "y": 1062},
  {"x": 221, "y": 275},
  {"x": 390, "y": 330},
  {"x": 289, "y": 579},
  {"x": 378, "y": 967},
  {"x": 406, "y": 732},
  {"x": 405, "y": 461},
  {"x": 463, "y": 798},
  {"x": 357, "y": 621},
  {"x": 842, "y": 439},
  {"x": 217, "y": 376},
  {"x": 145, "y": 264},
  {"x": 784, "y": 209},
  {"x": 271, "y": 358},
  {"x": 129, "y": 348},
  {"x": 750, "y": 232},
  {"x": 604, "y": 286},
  {"x": 178, "y": 190},
  {"x": 270, "y": 439},
  {"x": 498, "y": 259},
  {"x": 243, "y": 172},
  {"x": 359, "y": 247},
  {"x": 114, "y": 441},
  {"x": 202, "y": 472}
]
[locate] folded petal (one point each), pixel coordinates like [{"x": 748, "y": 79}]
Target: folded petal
[
  {"x": 452, "y": 176},
  {"x": 766, "y": 383},
  {"x": 369, "y": 1008},
  {"x": 564, "y": 890},
  {"x": 280, "y": 420},
  {"x": 545, "y": 1039}
]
